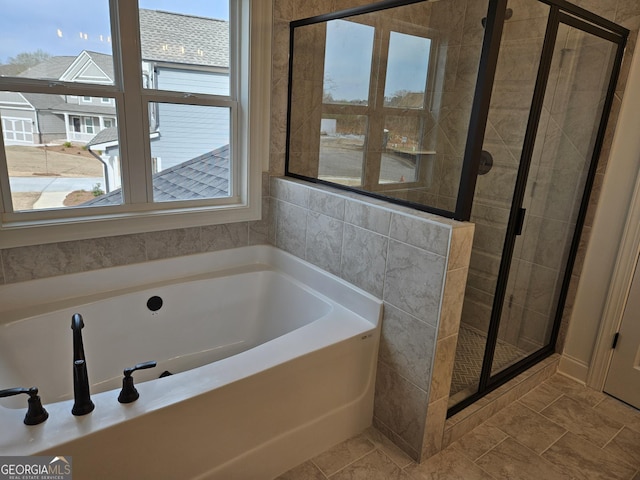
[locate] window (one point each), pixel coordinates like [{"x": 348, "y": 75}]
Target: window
[
  {"x": 374, "y": 102},
  {"x": 88, "y": 122},
  {"x": 183, "y": 96}
]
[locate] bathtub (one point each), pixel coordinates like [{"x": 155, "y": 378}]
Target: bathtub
[{"x": 272, "y": 361}]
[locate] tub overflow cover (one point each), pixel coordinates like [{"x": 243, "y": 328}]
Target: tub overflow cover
[{"x": 154, "y": 303}]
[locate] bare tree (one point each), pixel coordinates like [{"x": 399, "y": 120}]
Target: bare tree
[{"x": 26, "y": 60}]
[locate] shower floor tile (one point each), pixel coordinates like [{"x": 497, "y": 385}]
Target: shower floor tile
[{"x": 468, "y": 362}]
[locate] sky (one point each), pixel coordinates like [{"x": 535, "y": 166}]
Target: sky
[
  {"x": 66, "y": 27},
  {"x": 348, "y": 61}
]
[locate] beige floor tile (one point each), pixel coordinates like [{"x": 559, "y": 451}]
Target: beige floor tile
[
  {"x": 447, "y": 465},
  {"x": 531, "y": 429},
  {"x": 582, "y": 420},
  {"x": 338, "y": 457},
  {"x": 305, "y": 471},
  {"x": 479, "y": 441},
  {"x": 541, "y": 397},
  {"x": 583, "y": 460},
  {"x": 575, "y": 390},
  {"x": 512, "y": 461},
  {"x": 391, "y": 450},
  {"x": 620, "y": 412},
  {"x": 505, "y": 447},
  {"x": 626, "y": 445},
  {"x": 374, "y": 466}
]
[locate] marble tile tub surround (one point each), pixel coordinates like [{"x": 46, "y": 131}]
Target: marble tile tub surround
[
  {"x": 417, "y": 263},
  {"x": 40, "y": 261}
]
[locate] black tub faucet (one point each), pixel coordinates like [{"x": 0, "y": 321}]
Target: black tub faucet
[{"x": 82, "y": 404}]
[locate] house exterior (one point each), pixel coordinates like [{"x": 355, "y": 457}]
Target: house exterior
[
  {"x": 185, "y": 53},
  {"x": 179, "y": 52},
  {"x": 34, "y": 118}
]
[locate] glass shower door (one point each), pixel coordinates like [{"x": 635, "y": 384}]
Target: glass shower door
[
  {"x": 570, "y": 118},
  {"x": 512, "y": 93}
]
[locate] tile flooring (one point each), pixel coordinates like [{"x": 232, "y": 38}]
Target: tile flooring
[{"x": 560, "y": 430}]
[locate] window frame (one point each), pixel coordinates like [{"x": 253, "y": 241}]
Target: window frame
[{"x": 250, "y": 44}]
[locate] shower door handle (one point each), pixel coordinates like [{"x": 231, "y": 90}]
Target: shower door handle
[{"x": 520, "y": 220}]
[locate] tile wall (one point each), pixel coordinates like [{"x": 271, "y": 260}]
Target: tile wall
[
  {"x": 417, "y": 263},
  {"x": 40, "y": 261}
]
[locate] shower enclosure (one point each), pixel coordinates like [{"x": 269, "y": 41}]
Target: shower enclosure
[
  {"x": 555, "y": 77},
  {"x": 492, "y": 111}
]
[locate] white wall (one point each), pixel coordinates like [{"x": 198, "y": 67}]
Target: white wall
[{"x": 608, "y": 227}]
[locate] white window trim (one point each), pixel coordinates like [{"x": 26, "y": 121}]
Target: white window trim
[{"x": 137, "y": 216}]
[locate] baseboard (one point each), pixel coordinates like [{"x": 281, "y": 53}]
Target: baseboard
[{"x": 573, "y": 368}]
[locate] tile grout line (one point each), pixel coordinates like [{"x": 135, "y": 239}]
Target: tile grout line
[
  {"x": 380, "y": 446},
  {"x": 492, "y": 448},
  {"x": 601, "y": 400},
  {"x": 553, "y": 443},
  {"x": 351, "y": 463},
  {"x": 613, "y": 437},
  {"x": 319, "y": 469}
]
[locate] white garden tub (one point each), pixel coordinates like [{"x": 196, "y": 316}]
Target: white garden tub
[{"x": 272, "y": 361}]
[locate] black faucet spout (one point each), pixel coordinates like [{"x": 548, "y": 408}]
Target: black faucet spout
[
  {"x": 82, "y": 396},
  {"x": 77, "y": 324}
]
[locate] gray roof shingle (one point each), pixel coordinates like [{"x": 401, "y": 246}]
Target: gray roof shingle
[
  {"x": 206, "y": 176},
  {"x": 44, "y": 101},
  {"x": 54, "y": 67},
  {"x": 50, "y": 69},
  {"x": 105, "y": 136},
  {"x": 177, "y": 38},
  {"x": 85, "y": 109},
  {"x": 10, "y": 70}
]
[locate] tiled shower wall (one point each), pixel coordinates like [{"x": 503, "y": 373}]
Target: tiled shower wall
[{"x": 417, "y": 263}]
